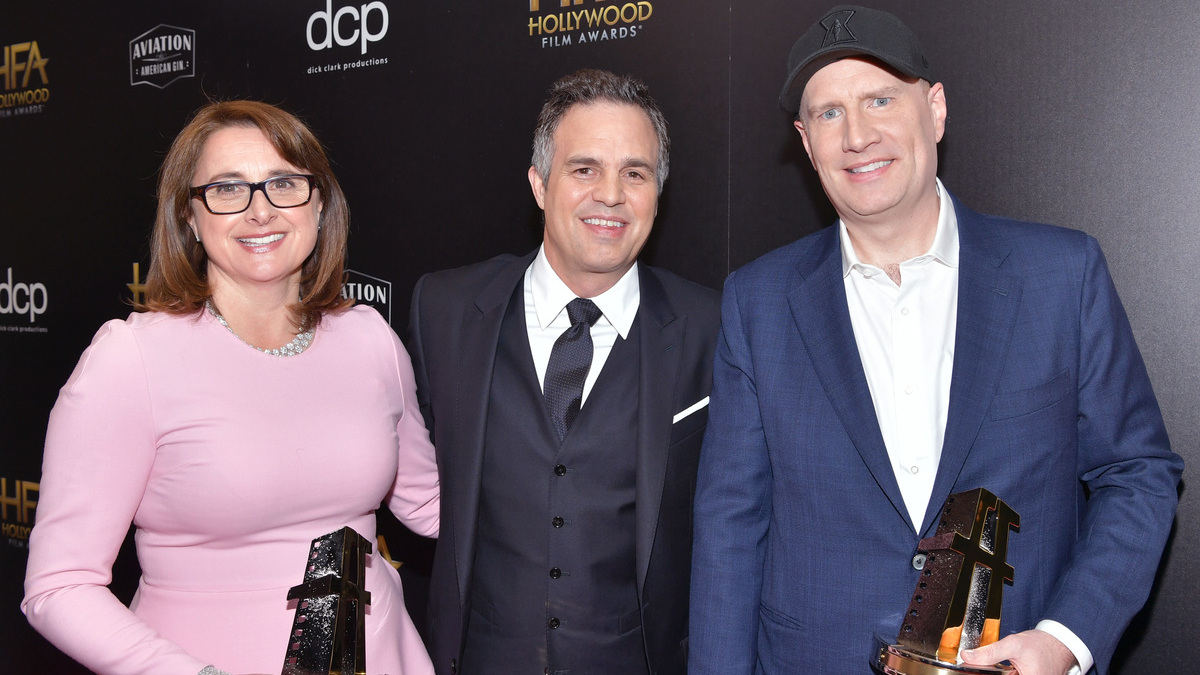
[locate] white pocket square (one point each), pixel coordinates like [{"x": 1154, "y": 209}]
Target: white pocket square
[{"x": 691, "y": 409}]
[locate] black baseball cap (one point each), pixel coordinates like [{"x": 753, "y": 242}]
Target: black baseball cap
[{"x": 850, "y": 30}]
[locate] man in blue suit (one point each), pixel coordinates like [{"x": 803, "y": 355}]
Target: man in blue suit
[{"x": 915, "y": 350}]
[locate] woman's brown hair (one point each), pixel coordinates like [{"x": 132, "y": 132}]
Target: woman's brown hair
[{"x": 177, "y": 282}]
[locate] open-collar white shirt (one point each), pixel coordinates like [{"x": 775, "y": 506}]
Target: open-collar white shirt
[
  {"x": 905, "y": 338},
  {"x": 546, "y": 298}
]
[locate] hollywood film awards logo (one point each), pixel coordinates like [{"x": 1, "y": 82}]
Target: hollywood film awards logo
[
  {"x": 18, "y": 502},
  {"x": 365, "y": 289},
  {"x": 162, "y": 55},
  {"x": 566, "y": 23},
  {"x": 345, "y": 30},
  {"x": 24, "y": 85}
]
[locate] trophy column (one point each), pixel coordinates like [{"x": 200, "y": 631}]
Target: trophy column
[
  {"x": 956, "y": 604},
  {"x": 328, "y": 635}
]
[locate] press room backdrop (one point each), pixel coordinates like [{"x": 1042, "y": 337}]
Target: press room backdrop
[{"x": 1079, "y": 114}]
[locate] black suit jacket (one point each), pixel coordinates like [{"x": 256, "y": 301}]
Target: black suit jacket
[{"x": 453, "y": 333}]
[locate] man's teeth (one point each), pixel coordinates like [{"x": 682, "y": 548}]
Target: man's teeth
[
  {"x": 261, "y": 241},
  {"x": 603, "y": 223},
  {"x": 871, "y": 167}
]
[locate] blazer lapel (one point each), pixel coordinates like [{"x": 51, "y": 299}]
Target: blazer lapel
[
  {"x": 661, "y": 350},
  {"x": 988, "y": 300},
  {"x": 479, "y": 335},
  {"x": 818, "y": 306}
]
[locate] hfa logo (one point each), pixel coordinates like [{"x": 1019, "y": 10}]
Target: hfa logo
[
  {"x": 18, "y": 63},
  {"x": 348, "y": 25},
  {"x": 162, "y": 55},
  {"x": 22, "y": 503},
  {"x": 581, "y": 22}
]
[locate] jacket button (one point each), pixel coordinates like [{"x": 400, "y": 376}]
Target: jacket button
[
  {"x": 453, "y": 666},
  {"x": 560, "y": 470},
  {"x": 552, "y": 623},
  {"x": 557, "y": 521},
  {"x": 555, "y": 573},
  {"x": 918, "y": 562}
]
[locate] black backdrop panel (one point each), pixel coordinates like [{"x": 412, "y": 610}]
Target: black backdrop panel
[
  {"x": 427, "y": 110},
  {"x": 1069, "y": 113}
]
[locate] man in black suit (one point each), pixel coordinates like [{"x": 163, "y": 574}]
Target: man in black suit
[{"x": 566, "y": 392}]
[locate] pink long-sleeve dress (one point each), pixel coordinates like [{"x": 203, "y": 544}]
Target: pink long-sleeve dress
[{"x": 229, "y": 461}]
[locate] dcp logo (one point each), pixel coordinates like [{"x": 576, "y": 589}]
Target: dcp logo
[
  {"x": 359, "y": 30},
  {"x": 23, "y": 298}
]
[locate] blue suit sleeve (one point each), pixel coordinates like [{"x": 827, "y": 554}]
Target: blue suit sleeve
[
  {"x": 732, "y": 510},
  {"x": 1126, "y": 463}
]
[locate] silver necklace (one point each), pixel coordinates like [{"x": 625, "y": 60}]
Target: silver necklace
[{"x": 297, "y": 345}]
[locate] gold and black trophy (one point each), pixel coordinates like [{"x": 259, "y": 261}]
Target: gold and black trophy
[
  {"x": 328, "y": 632},
  {"x": 956, "y": 605}
]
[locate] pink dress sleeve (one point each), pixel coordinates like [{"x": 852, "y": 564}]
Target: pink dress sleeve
[
  {"x": 100, "y": 447},
  {"x": 416, "y": 497}
]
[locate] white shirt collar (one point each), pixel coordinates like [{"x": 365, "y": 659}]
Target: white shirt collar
[
  {"x": 619, "y": 304},
  {"x": 945, "y": 241}
]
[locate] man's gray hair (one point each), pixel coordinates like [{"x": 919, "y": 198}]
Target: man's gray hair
[{"x": 588, "y": 86}]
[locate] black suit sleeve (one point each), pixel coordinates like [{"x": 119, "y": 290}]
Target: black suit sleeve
[{"x": 416, "y": 350}]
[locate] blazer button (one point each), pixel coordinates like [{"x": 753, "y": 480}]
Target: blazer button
[
  {"x": 918, "y": 562},
  {"x": 453, "y": 666},
  {"x": 560, "y": 470},
  {"x": 557, "y": 521},
  {"x": 555, "y": 573},
  {"x": 552, "y": 623}
]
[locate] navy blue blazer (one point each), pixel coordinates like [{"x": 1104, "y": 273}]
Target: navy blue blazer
[
  {"x": 803, "y": 545},
  {"x": 454, "y": 330}
]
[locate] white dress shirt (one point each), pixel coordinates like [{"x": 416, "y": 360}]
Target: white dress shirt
[
  {"x": 546, "y": 298},
  {"x": 905, "y": 337}
]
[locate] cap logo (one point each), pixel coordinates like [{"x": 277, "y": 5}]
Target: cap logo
[{"x": 836, "y": 30}]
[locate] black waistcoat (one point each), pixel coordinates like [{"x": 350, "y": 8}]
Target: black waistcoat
[{"x": 554, "y": 586}]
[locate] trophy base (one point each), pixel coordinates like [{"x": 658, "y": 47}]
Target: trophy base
[{"x": 897, "y": 660}]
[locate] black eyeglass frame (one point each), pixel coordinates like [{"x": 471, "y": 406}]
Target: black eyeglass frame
[{"x": 198, "y": 192}]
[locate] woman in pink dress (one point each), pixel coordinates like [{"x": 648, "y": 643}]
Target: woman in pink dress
[{"x": 246, "y": 412}]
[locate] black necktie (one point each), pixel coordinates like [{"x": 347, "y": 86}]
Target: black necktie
[{"x": 568, "y": 367}]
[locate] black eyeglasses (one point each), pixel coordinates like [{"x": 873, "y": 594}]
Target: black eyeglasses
[{"x": 233, "y": 196}]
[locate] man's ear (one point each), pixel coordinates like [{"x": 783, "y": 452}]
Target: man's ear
[
  {"x": 538, "y": 186},
  {"x": 937, "y": 107},
  {"x": 804, "y": 138}
]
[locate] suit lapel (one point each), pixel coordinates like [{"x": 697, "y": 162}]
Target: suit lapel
[
  {"x": 818, "y": 306},
  {"x": 988, "y": 300},
  {"x": 480, "y": 335},
  {"x": 661, "y": 350}
]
